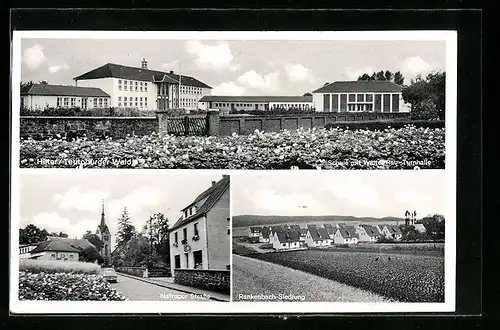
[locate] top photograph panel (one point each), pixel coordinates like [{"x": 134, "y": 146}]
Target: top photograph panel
[{"x": 232, "y": 100}]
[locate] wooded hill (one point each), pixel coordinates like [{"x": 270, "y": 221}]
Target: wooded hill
[{"x": 261, "y": 220}]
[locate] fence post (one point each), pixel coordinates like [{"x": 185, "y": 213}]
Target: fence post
[
  {"x": 213, "y": 122},
  {"x": 186, "y": 125},
  {"x": 162, "y": 118}
]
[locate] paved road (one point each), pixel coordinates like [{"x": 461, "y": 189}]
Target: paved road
[
  {"x": 134, "y": 289},
  {"x": 256, "y": 280}
]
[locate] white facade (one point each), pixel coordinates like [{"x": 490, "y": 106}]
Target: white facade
[
  {"x": 354, "y": 102},
  {"x": 40, "y": 102},
  {"x": 127, "y": 93},
  {"x": 58, "y": 255},
  {"x": 186, "y": 256},
  {"x": 288, "y": 105},
  {"x": 321, "y": 242},
  {"x": 277, "y": 245},
  {"x": 262, "y": 239},
  {"x": 363, "y": 235},
  {"x": 339, "y": 239}
]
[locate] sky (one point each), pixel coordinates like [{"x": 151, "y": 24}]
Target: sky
[
  {"x": 71, "y": 202},
  {"x": 350, "y": 193},
  {"x": 235, "y": 67}
]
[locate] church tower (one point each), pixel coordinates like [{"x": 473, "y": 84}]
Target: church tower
[{"x": 105, "y": 236}]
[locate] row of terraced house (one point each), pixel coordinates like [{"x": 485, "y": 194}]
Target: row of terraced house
[{"x": 286, "y": 237}]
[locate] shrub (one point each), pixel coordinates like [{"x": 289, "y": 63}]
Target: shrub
[
  {"x": 380, "y": 125},
  {"x": 58, "y": 266},
  {"x": 64, "y": 286},
  {"x": 99, "y": 112}
]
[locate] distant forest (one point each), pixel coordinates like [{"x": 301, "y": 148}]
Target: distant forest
[{"x": 261, "y": 220}]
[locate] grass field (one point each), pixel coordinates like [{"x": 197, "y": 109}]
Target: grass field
[
  {"x": 407, "y": 278},
  {"x": 256, "y": 280}
]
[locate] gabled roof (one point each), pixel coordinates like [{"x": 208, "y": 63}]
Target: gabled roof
[
  {"x": 394, "y": 229},
  {"x": 420, "y": 227},
  {"x": 348, "y": 232},
  {"x": 311, "y": 226},
  {"x": 362, "y": 86},
  {"x": 61, "y": 90},
  {"x": 215, "y": 192},
  {"x": 294, "y": 227},
  {"x": 132, "y": 73},
  {"x": 288, "y": 236},
  {"x": 221, "y": 98},
  {"x": 265, "y": 232},
  {"x": 276, "y": 228},
  {"x": 255, "y": 229},
  {"x": 331, "y": 230},
  {"x": 371, "y": 230},
  {"x": 55, "y": 246},
  {"x": 318, "y": 234},
  {"x": 327, "y": 225}
]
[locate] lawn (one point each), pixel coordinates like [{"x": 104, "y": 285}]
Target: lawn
[
  {"x": 407, "y": 278},
  {"x": 409, "y": 147}
]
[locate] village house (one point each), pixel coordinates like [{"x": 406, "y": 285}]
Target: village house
[
  {"x": 359, "y": 96},
  {"x": 142, "y": 88},
  {"x": 252, "y": 103},
  {"x": 392, "y": 232},
  {"x": 302, "y": 234},
  {"x": 254, "y": 231},
  {"x": 367, "y": 233},
  {"x": 346, "y": 235},
  {"x": 286, "y": 239},
  {"x": 264, "y": 235},
  {"x": 272, "y": 232},
  {"x": 55, "y": 250},
  {"x": 317, "y": 236},
  {"x": 420, "y": 228},
  {"x": 330, "y": 229},
  {"x": 42, "y": 96},
  {"x": 200, "y": 238}
]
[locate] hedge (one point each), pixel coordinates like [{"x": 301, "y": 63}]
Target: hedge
[{"x": 58, "y": 266}]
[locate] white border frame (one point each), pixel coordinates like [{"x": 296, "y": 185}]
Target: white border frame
[{"x": 176, "y": 307}]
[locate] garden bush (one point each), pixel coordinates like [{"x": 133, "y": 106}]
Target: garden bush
[
  {"x": 64, "y": 286},
  {"x": 381, "y": 125},
  {"x": 408, "y": 147},
  {"x": 58, "y": 266}
]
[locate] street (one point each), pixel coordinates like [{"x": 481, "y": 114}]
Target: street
[{"x": 134, "y": 289}]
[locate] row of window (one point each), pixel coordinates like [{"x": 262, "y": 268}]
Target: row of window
[
  {"x": 62, "y": 256},
  {"x": 71, "y": 101},
  {"x": 190, "y": 90},
  {"x": 361, "y": 102},
  {"x": 197, "y": 256},
  {"x": 285, "y": 105},
  {"x": 132, "y": 86},
  {"x": 26, "y": 249},
  {"x": 195, "y": 231}
]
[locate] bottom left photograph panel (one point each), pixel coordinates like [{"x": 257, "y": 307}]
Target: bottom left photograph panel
[{"x": 136, "y": 236}]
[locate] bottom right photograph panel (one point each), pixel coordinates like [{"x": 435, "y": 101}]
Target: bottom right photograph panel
[{"x": 339, "y": 236}]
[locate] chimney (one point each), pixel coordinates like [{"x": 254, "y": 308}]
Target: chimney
[
  {"x": 171, "y": 72},
  {"x": 144, "y": 64},
  {"x": 225, "y": 176},
  {"x": 213, "y": 183}
]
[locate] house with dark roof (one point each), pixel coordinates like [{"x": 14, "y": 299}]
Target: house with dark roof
[
  {"x": 359, "y": 96},
  {"x": 286, "y": 239},
  {"x": 142, "y": 88},
  {"x": 346, "y": 235},
  {"x": 259, "y": 103},
  {"x": 200, "y": 239},
  {"x": 392, "y": 232},
  {"x": 60, "y": 248},
  {"x": 317, "y": 237},
  {"x": 43, "y": 96},
  {"x": 367, "y": 233},
  {"x": 420, "y": 228},
  {"x": 254, "y": 231}
]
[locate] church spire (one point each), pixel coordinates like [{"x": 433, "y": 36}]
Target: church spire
[{"x": 103, "y": 223}]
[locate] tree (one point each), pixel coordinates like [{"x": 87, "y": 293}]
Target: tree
[
  {"x": 60, "y": 234},
  {"x": 409, "y": 233},
  {"x": 427, "y": 95},
  {"x": 31, "y": 234},
  {"x": 94, "y": 239},
  {"x": 435, "y": 226},
  {"x": 156, "y": 231},
  {"x": 387, "y": 75},
  {"x": 125, "y": 229},
  {"x": 90, "y": 254}
]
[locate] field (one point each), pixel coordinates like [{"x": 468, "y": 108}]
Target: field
[
  {"x": 404, "y": 148},
  {"x": 406, "y": 278},
  {"x": 256, "y": 280}
]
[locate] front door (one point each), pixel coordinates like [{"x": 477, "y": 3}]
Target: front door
[
  {"x": 177, "y": 261},
  {"x": 84, "y": 103}
]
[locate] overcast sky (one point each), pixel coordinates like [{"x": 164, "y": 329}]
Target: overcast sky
[
  {"x": 71, "y": 202},
  {"x": 251, "y": 67},
  {"x": 350, "y": 193}
]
